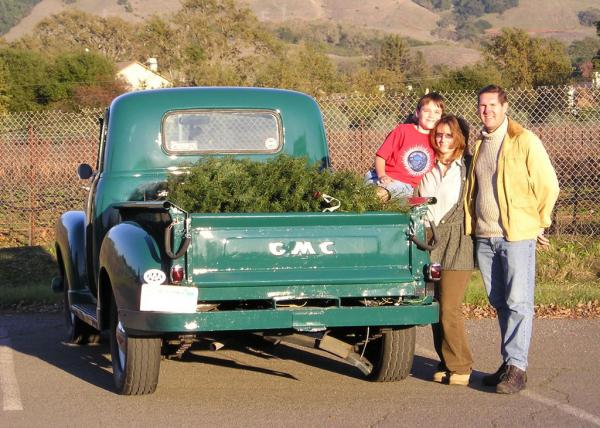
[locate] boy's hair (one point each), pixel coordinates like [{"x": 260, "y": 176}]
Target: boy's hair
[
  {"x": 460, "y": 139},
  {"x": 432, "y": 97},
  {"x": 493, "y": 89}
]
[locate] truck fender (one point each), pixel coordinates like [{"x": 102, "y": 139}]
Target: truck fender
[
  {"x": 70, "y": 243},
  {"x": 127, "y": 251}
]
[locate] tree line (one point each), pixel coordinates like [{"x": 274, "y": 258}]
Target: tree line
[{"x": 69, "y": 60}]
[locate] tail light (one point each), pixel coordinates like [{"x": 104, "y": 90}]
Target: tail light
[
  {"x": 177, "y": 274},
  {"x": 416, "y": 201},
  {"x": 433, "y": 272}
]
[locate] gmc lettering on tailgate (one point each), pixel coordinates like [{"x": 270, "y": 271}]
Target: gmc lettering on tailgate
[{"x": 301, "y": 248}]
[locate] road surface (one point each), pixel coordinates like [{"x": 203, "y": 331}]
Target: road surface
[{"x": 46, "y": 383}]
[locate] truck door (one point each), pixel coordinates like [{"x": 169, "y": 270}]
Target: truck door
[{"x": 90, "y": 244}]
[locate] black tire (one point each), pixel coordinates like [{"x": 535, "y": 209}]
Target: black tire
[
  {"x": 78, "y": 332},
  {"x": 135, "y": 360},
  {"x": 392, "y": 354}
]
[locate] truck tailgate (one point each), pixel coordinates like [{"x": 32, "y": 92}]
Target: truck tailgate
[{"x": 299, "y": 249}]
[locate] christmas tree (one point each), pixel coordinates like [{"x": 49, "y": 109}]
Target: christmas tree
[{"x": 282, "y": 184}]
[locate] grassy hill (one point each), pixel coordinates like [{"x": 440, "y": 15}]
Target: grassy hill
[
  {"x": 556, "y": 18},
  {"x": 140, "y": 9},
  {"x": 399, "y": 16},
  {"x": 546, "y": 18}
]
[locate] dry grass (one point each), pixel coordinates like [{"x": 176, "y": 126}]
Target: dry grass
[
  {"x": 567, "y": 281},
  {"x": 25, "y": 277},
  {"x": 452, "y": 55},
  {"x": 546, "y": 18}
]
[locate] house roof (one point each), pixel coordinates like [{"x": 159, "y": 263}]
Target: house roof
[{"x": 122, "y": 65}]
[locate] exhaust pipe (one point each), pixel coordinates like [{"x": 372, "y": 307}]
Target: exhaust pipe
[
  {"x": 215, "y": 346},
  {"x": 329, "y": 344}
]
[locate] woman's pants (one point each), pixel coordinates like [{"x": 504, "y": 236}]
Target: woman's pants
[{"x": 449, "y": 335}]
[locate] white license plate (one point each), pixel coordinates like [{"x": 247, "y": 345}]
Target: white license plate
[{"x": 169, "y": 298}]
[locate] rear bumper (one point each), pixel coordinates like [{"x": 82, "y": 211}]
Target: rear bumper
[{"x": 303, "y": 319}]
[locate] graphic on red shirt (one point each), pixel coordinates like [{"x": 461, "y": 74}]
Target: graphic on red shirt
[
  {"x": 407, "y": 154},
  {"x": 416, "y": 159}
]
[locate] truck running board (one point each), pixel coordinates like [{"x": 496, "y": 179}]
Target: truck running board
[{"x": 87, "y": 313}]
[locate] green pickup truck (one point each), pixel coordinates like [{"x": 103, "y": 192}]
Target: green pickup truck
[{"x": 158, "y": 278}]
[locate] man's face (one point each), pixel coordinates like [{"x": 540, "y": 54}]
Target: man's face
[{"x": 491, "y": 111}]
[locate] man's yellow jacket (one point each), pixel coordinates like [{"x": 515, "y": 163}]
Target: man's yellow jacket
[{"x": 526, "y": 182}]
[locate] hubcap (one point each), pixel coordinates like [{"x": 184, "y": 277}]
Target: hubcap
[{"x": 121, "y": 337}]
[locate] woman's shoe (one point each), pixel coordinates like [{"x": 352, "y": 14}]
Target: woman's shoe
[
  {"x": 459, "y": 379},
  {"x": 440, "y": 376}
]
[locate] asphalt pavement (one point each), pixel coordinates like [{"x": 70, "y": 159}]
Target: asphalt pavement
[{"x": 45, "y": 382}]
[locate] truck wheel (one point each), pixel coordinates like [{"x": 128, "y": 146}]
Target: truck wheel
[
  {"x": 392, "y": 354},
  {"x": 78, "y": 332},
  {"x": 135, "y": 360}
]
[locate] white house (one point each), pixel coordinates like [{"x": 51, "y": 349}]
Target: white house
[{"x": 139, "y": 76}]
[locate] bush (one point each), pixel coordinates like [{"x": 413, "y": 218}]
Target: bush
[{"x": 589, "y": 17}]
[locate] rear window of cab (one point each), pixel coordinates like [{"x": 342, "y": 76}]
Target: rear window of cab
[{"x": 222, "y": 131}]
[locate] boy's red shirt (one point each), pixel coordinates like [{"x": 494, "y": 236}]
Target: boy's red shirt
[{"x": 407, "y": 153}]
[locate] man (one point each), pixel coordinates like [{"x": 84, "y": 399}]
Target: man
[{"x": 511, "y": 194}]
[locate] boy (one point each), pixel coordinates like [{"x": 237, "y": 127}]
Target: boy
[{"x": 406, "y": 155}]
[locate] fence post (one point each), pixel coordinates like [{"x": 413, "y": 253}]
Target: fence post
[
  {"x": 362, "y": 142},
  {"x": 30, "y": 138}
]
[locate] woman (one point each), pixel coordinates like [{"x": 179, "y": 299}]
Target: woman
[{"x": 454, "y": 249}]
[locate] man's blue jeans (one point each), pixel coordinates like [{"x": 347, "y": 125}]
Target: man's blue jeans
[{"x": 508, "y": 271}]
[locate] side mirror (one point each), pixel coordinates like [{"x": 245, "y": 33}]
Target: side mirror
[{"x": 84, "y": 171}]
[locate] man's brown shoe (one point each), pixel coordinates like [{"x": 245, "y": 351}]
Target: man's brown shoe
[
  {"x": 514, "y": 381},
  {"x": 495, "y": 378}
]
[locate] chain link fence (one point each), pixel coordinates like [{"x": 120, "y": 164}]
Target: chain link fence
[
  {"x": 40, "y": 152},
  {"x": 567, "y": 119}
]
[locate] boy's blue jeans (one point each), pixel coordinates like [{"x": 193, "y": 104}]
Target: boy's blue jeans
[
  {"x": 508, "y": 271},
  {"x": 396, "y": 188}
]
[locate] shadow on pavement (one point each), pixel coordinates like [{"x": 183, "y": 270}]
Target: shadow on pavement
[
  {"x": 258, "y": 347},
  {"x": 42, "y": 336},
  {"x": 225, "y": 362}
]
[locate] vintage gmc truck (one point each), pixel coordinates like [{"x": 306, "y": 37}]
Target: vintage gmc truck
[{"x": 159, "y": 279}]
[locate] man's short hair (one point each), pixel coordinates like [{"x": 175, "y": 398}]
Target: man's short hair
[{"x": 494, "y": 89}]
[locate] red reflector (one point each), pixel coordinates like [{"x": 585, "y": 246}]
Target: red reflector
[
  {"x": 435, "y": 271},
  {"x": 177, "y": 274},
  {"x": 421, "y": 200}
]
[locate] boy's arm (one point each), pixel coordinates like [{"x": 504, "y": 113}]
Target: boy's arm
[
  {"x": 380, "y": 170},
  {"x": 385, "y": 151}
]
